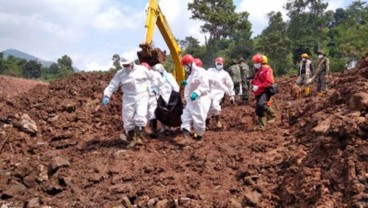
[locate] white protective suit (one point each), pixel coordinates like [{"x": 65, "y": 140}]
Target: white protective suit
[
  {"x": 168, "y": 78},
  {"x": 134, "y": 84},
  {"x": 196, "y": 111},
  {"x": 220, "y": 83},
  {"x": 152, "y": 98}
]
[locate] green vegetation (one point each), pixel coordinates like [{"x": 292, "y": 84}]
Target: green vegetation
[
  {"x": 341, "y": 33},
  {"x": 32, "y": 69}
]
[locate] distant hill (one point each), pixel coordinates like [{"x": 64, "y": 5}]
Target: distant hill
[{"x": 23, "y": 55}]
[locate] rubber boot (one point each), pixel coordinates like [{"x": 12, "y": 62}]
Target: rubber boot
[
  {"x": 153, "y": 124},
  {"x": 138, "y": 135},
  {"x": 186, "y": 133},
  {"x": 131, "y": 138},
  {"x": 271, "y": 114},
  {"x": 208, "y": 127},
  {"x": 306, "y": 90},
  {"x": 218, "y": 122},
  {"x": 262, "y": 123}
]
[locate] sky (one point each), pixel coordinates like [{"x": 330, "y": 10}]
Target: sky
[{"x": 92, "y": 31}]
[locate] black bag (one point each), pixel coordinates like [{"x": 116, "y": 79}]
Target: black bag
[
  {"x": 273, "y": 89},
  {"x": 170, "y": 113}
]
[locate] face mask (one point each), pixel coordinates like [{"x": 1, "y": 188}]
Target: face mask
[
  {"x": 188, "y": 68},
  {"x": 303, "y": 59},
  {"x": 257, "y": 66},
  {"x": 128, "y": 66},
  {"x": 219, "y": 66},
  {"x": 320, "y": 56}
]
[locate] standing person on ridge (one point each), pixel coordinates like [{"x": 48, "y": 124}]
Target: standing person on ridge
[
  {"x": 133, "y": 81},
  {"x": 322, "y": 73},
  {"x": 305, "y": 73},
  {"x": 220, "y": 84},
  {"x": 262, "y": 80},
  {"x": 196, "y": 95}
]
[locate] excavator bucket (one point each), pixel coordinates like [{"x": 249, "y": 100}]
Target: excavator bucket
[{"x": 151, "y": 55}]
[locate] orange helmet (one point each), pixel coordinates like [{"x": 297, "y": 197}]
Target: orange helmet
[
  {"x": 198, "y": 62},
  {"x": 220, "y": 59},
  {"x": 187, "y": 59},
  {"x": 146, "y": 65},
  {"x": 257, "y": 59}
]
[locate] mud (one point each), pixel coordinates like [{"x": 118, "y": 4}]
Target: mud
[{"x": 315, "y": 155}]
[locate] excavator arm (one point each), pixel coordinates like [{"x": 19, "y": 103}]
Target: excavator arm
[{"x": 154, "y": 55}]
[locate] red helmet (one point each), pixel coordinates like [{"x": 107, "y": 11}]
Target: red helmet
[
  {"x": 257, "y": 59},
  {"x": 220, "y": 59},
  {"x": 198, "y": 62},
  {"x": 146, "y": 65},
  {"x": 187, "y": 59}
]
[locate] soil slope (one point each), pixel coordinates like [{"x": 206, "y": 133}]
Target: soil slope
[{"x": 315, "y": 155}]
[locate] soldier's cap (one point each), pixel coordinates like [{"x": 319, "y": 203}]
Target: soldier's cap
[
  {"x": 241, "y": 60},
  {"x": 321, "y": 52},
  {"x": 234, "y": 60}
]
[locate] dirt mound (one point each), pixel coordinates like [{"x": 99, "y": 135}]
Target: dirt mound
[
  {"x": 11, "y": 86},
  {"x": 60, "y": 148},
  {"x": 333, "y": 133}
]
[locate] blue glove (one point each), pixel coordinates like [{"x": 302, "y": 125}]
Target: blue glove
[
  {"x": 194, "y": 96},
  {"x": 105, "y": 100},
  {"x": 154, "y": 89},
  {"x": 184, "y": 83}
]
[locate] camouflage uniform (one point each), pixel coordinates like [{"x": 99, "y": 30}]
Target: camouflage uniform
[
  {"x": 238, "y": 73},
  {"x": 323, "y": 69}
]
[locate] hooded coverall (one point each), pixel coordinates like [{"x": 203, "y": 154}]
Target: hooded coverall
[
  {"x": 170, "y": 83},
  {"x": 196, "y": 111},
  {"x": 220, "y": 83},
  {"x": 134, "y": 84}
]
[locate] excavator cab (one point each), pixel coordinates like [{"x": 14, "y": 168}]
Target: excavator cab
[{"x": 151, "y": 55}]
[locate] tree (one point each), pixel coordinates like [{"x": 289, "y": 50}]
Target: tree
[
  {"x": 2, "y": 63},
  {"x": 307, "y": 28},
  {"x": 32, "y": 69},
  {"x": 65, "y": 65},
  {"x": 116, "y": 61},
  {"x": 241, "y": 45},
  {"x": 223, "y": 25},
  {"x": 13, "y": 66},
  {"x": 190, "y": 45},
  {"x": 219, "y": 17},
  {"x": 274, "y": 43}
]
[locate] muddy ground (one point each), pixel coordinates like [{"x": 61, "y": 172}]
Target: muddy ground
[{"x": 315, "y": 155}]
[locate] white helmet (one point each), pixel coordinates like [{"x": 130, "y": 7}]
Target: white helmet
[
  {"x": 159, "y": 68},
  {"x": 126, "y": 61}
]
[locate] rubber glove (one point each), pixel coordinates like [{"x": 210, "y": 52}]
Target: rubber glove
[
  {"x": 255, "y": 88},
  {"x": 105, "y": 100},
  {"x": 184, "y": 83},
  {"x": 154, "y": 89},
  {"x": 194, "y": 96}
]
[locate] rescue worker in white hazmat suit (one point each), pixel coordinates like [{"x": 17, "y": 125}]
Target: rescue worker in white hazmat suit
[
  {"x": 196, "y": 95},
  {"x": 152, "y": 101},
  {"x": 171, "y": 85},
  {"x": 220, "y": 83},
  {"x": 133, "y": 81}
]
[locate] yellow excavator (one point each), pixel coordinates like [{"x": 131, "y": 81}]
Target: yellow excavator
[{"x": 152, "y": 55}]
